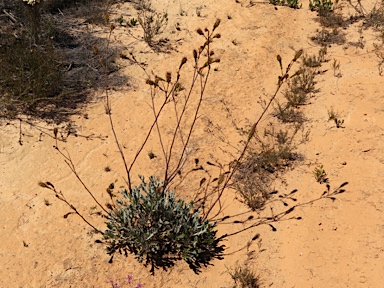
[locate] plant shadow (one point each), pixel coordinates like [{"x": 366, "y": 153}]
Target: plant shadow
[{"x": 49, "y": 68}]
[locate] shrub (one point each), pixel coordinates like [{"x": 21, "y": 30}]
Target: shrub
[
  {"x": 152, "y": 224},
  {"x": 152, "y": 22},
  {"x": 325, "y": 37}
]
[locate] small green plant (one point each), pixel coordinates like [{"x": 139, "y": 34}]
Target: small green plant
[
  {"x": 120, "y": 20},
  {"x": 290, "y": 3},
  {"x": 320, "y": 174},
  {"x": 335, "y": 117},
  {"x": 321, "y": 6},
  {"x": 132, "y": 23},
  {"x": 153, "y": 225},
  {"x": 244, "y": 277}
]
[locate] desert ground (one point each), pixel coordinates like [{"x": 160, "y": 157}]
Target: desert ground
[{"x": 336, "y": 243}]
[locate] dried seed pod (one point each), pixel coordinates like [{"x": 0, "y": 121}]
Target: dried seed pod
[
  {"x": 195, "y": 54},
  {"x": 298, "y": 55},
  {"x": 183, "y": 61},
  {"x": 168, "y": 77},
  {"x": 217, "y": 23}
]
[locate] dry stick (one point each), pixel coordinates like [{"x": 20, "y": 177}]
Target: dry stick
[
  {"x": 61, "y": 197},
  {"x": 70, "y": 164},
  {"x": 41, "y": 129},
  {"x": 281, "y": 215},
  {"x": 281, "y": 80}
]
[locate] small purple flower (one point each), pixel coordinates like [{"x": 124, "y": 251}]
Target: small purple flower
[
  {"x": 117, "y": 285},
  {"x": 139, "y": 285},
  {"x": 111, "y": 281},
  {"x": 129, "y": 278}
]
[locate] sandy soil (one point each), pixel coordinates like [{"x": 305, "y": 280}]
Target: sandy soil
[{"x": 336, "y": 244}]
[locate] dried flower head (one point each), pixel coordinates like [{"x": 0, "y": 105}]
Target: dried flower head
[
  {"x": 168, "y": 77},
  {"x": 217, "y": 23},
  {"x": 195, "y": 54},
  {"x": 183, "y": 61},
  {"x": 298, "y": 54}
]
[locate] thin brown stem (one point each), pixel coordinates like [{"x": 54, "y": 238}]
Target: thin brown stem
[{"x": 71, "y": 165}]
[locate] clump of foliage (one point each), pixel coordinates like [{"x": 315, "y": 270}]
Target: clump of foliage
[
  {"x": 320, "y": 174},
  {"x": 335, "y": 117},
  {"x": 244, "y": 277},
  {"x": 325, "y": 37},
  {"x": 290, "y": 3},
  {"x": 151, "y": 21},
  {"x": 153, "y": 225},
  {"x": 321, "y": 6}
]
